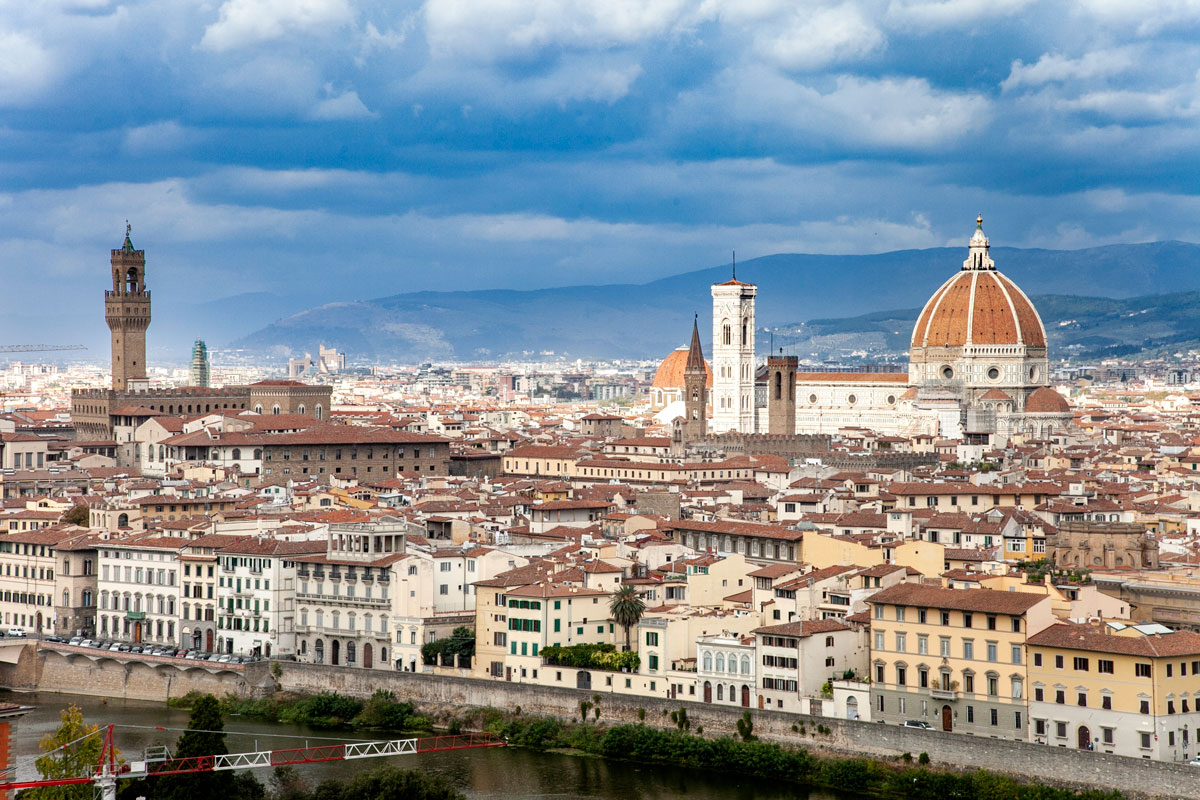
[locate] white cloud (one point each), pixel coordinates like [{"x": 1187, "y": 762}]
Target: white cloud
[
  {"x": 343, "y": 106},
  {"x": 1143, "y": 19},
  {"x": 158, "y": 137},
  {"x": 935, "y": 14},
  {"x": 809, "y": 40},
  {"x": 247, "y": 22},
  {"x": 26, "y": 68},
  {"x": 894, "y": 112},
  {"x": 496, "y": 29},
  {"x": 1052, "y": 67}
]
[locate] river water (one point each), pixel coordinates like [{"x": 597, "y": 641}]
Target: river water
[{"x": 484, "y": 774}]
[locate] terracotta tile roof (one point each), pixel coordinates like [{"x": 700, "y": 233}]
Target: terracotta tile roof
[
  {"x": 984, "y": 600},
  {"x": 808, "y": 627},
  {"x": 1071, "y": 636},
  {"x": 982, "y": 306}
]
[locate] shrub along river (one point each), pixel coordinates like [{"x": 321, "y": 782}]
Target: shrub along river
[{"x": 492, "y": 773}]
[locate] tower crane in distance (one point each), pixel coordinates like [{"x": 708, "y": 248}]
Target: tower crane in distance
[{"x": 107, "y": 772}]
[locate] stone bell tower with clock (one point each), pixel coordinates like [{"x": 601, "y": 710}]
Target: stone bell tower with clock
[{"x": 127, "y": 312}]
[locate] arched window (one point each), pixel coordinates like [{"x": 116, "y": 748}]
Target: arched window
[
  {"x": 162, "y": 453},
  {"x": 778, "y": 385},
  {"x": 317, "y": 411},
  {"x": 726, "y": 332},
  {"x": 720, "y": 691},
  {"x": 745, "y": 665},
  {"x": 258, "y": 408},
  {"x": 707, "y": 662},
  {"x": 745, "y": 326},
  {"x": 349, "y": 652},
  {"x": 275, "y": 409},
  {"x": 122, "y": 520},
  {"x": 720, "y": 662},
  {"x": 319, "y": 650},
  {"x": 131, "y": 280},
  {"x": 300, "y": 409},
  {"x": 66, "y": 597},
  {"x": 237, "y": 454}
]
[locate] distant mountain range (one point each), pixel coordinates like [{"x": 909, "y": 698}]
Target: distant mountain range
[{"x": 1096, "y": 301}]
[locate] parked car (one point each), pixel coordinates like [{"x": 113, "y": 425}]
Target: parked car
[
  {"x": 1195, "y": 762},
  {"x": 55, "y": 638},
  {"x": 917, "y": 723},
  {"x": 15, "y": 631},
  {"x": 77, "y": 641}
]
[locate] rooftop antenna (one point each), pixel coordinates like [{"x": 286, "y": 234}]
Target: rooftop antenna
[{"x": 735, "y": 265}]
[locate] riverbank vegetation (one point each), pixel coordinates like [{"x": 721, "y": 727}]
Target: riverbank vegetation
[
  {"x": 905, "y": 776},
  {"x": 327, "y": 710}
]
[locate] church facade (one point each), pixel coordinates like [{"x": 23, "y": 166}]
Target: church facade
[{"x": 978, "y": 369}]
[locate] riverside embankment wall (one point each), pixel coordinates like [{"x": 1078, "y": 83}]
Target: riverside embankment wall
[
  {"x": 1133, "y": 777},
  {"x": 80, "y": 670},
  {"x": 63, "y": 670}
]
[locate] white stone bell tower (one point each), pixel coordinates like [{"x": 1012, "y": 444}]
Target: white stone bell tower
[{"x": 733, "y": 362}]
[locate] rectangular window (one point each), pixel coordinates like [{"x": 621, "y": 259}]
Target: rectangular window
[
  {"x": 1144, "y": 706},
  {"x": 1106, "y": 702},
  {"x": 901, "y": 641},
  {"x": 1037, "y": 659},
  {"x": 1058, "y": 662},
  {"x": 1145, "y": 740},
  {"x": 651, "y": 638},
  {"x": 944, "y": 646},
  {"x": 1060, "y": 730},
  {"x": 1141, "y": 670},
  {"x": 1016, "y": 654},
  {"x": 991, "y": 652},
  {"x": 970, "y": 713},
  {"x": 1107, "y": 735},
  {"x": 1081, "y": 664},
  {"x": 1081, "y": 699},
  {"x": 967, "y": 620},
  {"x": 922, "y": 644},
  {"x": 995, "y": 717},
  {"x": 899, "y": 613},
  {"x": 1039, "y": 727},
  {"x": 946, "y": 618},
  {"x": 1104, "y": 666},
  {"x": 968, "y": 649}
]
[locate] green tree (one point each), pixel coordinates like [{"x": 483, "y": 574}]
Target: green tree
[
  {"x": 627, "y": 608},
  {"x": 205, "y": 737},
  {"x": 68, "y": 754},
  {"x": 77, "y": 515},
  {"x": 460, "y": 642}
]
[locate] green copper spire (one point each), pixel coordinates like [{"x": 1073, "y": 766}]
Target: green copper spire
[{"x": 128, "y": 246}]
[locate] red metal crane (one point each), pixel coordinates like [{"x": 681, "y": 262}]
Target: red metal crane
[{"x": 108, "y": 772}]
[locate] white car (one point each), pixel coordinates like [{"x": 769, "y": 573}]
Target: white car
[{"x": 15, "y": 631}]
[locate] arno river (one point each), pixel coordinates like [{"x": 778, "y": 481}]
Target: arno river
[{"x": 493, "y": 773}]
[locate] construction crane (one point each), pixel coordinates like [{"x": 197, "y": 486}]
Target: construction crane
[
  {"x": 38, "y": 348},
  {"x": 108, "y": 771}
]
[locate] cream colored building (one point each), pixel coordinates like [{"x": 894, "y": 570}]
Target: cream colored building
[
  {"x": 954, "y": 658},
  {"x": 1129, "y": 690}
]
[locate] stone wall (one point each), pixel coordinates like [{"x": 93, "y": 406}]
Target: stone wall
[
  {"x": 74, "y": 670},
  {"x": 1134, "y": 777}
]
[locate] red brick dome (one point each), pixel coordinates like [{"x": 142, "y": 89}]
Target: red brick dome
[
  {"x": 670, "y": 371},
  {"x": 1045, "y": 400},
  {"x": 978, "y": 306}
]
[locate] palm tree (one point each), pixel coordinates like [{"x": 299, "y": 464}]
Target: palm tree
[{"x": 627, "y": 607}]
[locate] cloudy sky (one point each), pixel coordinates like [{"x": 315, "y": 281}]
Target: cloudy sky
[{"x": 333, "y": 149}]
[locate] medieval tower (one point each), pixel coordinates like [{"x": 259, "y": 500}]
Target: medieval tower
[
  {"x": 695, "y": 390},
  {"x": 127, "y": 312},
  {"x": 733, "y": 357},
  {"x": 781, "y": 394}
]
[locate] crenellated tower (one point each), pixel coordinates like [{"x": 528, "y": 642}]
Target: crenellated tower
[{"x": 127, "y": 312}]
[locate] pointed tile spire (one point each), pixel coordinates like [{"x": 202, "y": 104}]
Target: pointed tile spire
[{"x": 695, "y": 359}]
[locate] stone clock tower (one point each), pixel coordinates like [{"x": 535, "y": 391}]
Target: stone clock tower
[{"x": 127, "y": 312}]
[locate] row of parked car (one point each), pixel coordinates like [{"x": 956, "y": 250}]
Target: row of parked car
[{"x": 163, "y": 651}]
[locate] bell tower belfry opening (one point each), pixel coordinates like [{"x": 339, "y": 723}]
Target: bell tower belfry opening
[{"x": 127, "y": 312}]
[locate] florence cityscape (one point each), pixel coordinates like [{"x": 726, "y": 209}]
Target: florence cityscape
[{"x": 468, "y": 399}]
